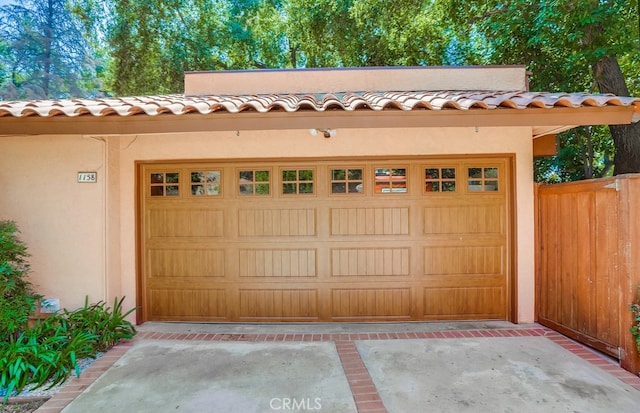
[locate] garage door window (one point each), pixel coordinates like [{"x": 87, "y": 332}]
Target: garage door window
[
  {"x": 205, "y": 183},
  {"x": 297, "y": 181},
  {"x": 254, "y": 182},
  {"x": 164, "y": 184},
  {"x": 483, "y": 179},
  {"x": 390, "y": 180},
  {"x": 440, "y": 180},
  {"x": 346, "y": 181}
]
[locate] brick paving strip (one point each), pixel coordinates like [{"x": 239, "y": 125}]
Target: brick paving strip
[
  {"x": 364, "y": 391},
  {"x": 74, "y": 387},
  {"x": 365, "y": 394}
]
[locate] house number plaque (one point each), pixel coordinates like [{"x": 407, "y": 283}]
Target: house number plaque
[{"x": 87, "y": 177}]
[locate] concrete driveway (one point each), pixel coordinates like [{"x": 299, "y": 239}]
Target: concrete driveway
[{"x": 414, "y": 367}]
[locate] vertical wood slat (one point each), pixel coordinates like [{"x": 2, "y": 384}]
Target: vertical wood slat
[
  {"x": 586, "y": 272},
  {"x": 585, "y": 262},
  {"x": 186, "y": 262},
  {"x": 606, "y": 258},
  {"x": 268, "y": 303},
  {"x": 186, "y": 223},
  {"x": 369, "y": 262},
  {"x": 276, "y": 222},
  {"x": 370, "y": 302},
  {"x": 370, "y": 221},
  {"x": 629, "y": 267},
  {"x": 464, "y": 219},
  {"x": 277, "y": 263}
]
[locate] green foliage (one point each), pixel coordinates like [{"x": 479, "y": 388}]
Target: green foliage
[
  {"x": 108, "y": 325},
  {"x": 348, "y": 33},
  {"x": 635, "y": 329},
  {"x": 44, "y": 354},
  {"x": 563, "y": 44},
  {"x": 48, "y": 352},
  {"x": 44, "y": 53},
  {"x": 145, "y": 46},
  {"x": 558, "y": 41},
  {"x": 585, "y": 153},
  {"x": 17, "y": 297},
  {"x": 153, "y": 43}
]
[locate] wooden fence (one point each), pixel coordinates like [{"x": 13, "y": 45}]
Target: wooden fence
[{"x": 588, "y": 262}]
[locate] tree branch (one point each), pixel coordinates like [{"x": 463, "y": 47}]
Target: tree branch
[{"x": 483, "y": 16}]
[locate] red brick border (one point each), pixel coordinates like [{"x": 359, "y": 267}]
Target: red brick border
[
  {"x": 363, "y": 389},
  {"x": 596, "y": 359},
  {"x": 74, "y": 387}
]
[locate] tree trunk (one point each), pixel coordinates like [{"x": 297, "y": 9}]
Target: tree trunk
[
  {"x": 626, "y": 138},
  {"x": 48, "y": 41},
  {"x": 587, "y": 151},
  {"x": 293, "y": 56}
]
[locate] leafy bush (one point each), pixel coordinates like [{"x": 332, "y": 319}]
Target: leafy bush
[
  {"x": 44, "y": 354},
  {"x": 17, "y": 297},
  {"x": 48, "y": 353},
  {"x": 109, "y": 326}
]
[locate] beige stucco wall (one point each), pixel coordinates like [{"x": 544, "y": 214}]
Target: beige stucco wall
[
  {"x": 61, "y": 221},
  {"x": 332, "y": 80},
  {"x": 82, "y": 236}
]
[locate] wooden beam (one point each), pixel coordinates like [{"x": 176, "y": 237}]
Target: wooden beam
[{"x": 545, "y": 146}]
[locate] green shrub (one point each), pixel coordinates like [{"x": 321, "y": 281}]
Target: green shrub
[
  {"x": 17, "y": 297},
  {"x": 108, "y": 325},
  {"x": 48, "y": 352},
  {"x": 44, "y": 354}
]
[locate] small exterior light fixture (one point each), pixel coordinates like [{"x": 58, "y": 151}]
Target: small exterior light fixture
[{"x": 326, "y": 132}]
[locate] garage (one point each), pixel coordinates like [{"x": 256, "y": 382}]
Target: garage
[
  {"x": 317, "y": 240},
  {"x": 298, "y": 195}
]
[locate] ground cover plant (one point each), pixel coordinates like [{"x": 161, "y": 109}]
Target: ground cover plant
[{"x": 46, "y": 353}]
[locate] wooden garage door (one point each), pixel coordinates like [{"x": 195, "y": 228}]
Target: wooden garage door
[{"x": 347, "y": 240}]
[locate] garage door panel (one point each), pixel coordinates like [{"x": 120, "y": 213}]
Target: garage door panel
[
  {"x": 464, "y": 219},
  {"x": 364, "y": 262},
  {"x": 464, "y": 303},
  {"x": 175, "y": 223},
  {"x": 370, "y": 221},
  {"x": 186, "y": 263},
  {"x": 277, "y": 262},
  {"x": 457, "y": 280},
  {"x": 463, "y": 260},
  {"x": 278, "y": 304},
  {"x": 180, "y": 304},
  {"x": 277, "y": 222},
  {"x": 370, "y": 303}
]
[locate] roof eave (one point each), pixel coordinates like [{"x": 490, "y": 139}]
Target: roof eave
[{"x": 557, "y": 118}]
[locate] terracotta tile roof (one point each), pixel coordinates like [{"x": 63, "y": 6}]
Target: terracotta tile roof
[{"x": 347, "y": 101}]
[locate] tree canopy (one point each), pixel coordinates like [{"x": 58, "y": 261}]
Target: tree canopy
[
  {"x": 43, "y": 53},
  {"x": 59, "y": 48},
  {"x": 568, "y": 46}
]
